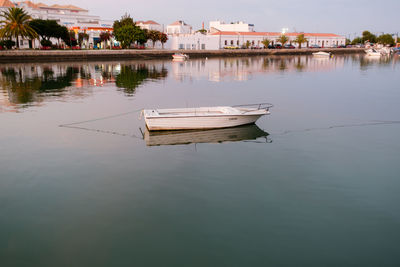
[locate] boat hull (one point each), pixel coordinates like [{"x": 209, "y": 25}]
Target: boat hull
[
  {"x": 322, "y": 54},
  {"x": 199, "y": 122}
]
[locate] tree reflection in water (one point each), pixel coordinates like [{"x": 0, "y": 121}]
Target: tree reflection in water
[
  {"x": 29, "y": 85},
  {"x": 132, "y": 76}
]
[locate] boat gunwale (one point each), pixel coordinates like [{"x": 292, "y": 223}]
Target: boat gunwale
[{"x": 207, "y": 116}]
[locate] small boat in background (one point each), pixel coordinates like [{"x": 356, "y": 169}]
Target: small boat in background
[
  {"x": 185, "y": 137},
  {"x": 373, "y": 53},
  {"x": 322, "y": 54},
  {"x": 204, "y": 117},
  {"x": 180, "y": 56}
]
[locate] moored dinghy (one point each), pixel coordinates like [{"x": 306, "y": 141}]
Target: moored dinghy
[
  {"x": 204, "y": 117},
  {"x": 322, "y": 54},
  {"x": 180, "y": 56}
]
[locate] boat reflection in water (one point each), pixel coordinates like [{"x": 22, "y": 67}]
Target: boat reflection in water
[{"x": 184, "y": 137}]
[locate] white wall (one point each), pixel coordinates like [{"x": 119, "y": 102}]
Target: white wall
[
  {"x": 197, "y": 41},
  {"x": 179, "y": 29},
  {"x": 231, "y": 27}
]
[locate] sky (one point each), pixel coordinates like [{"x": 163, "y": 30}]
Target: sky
[{"x": 346, "y": 17}]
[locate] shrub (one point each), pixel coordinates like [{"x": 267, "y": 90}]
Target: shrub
[
  {"x": 45, "y": 43},
  {"x": 7, "y": 43}
]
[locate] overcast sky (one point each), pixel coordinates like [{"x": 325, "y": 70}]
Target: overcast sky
[{"x": 333, "y": 16}]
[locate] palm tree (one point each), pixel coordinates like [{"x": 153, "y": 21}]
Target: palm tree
[
  {"x": 15, "y": 23},
  {"x": 266, "y": 42},
  {"x": 283, "y": 39},
  {"x": 300, "y": 39}
]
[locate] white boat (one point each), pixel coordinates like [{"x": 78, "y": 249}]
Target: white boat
[
  {"x": 180, "y": 56},
  {"x": 321, "y": 54},
  {"x": 203, "y": 117},
  {"x": 373, "y": 53},
  {"x": 185, "y": 137}
]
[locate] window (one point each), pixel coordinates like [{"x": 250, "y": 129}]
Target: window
[
  {"x": 203, "y": 46},
  {"x": 187, "y": 46},
  {"x": 21, "y": 42},
  {"x": 193, "y": 46},
  {"x": 181, "y": 46},
  {"x": 226, "y": 42},
  {"x": 231, "y": 42},
  {"x": 237, "y": 42}
]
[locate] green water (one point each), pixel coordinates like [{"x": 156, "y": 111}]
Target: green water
[{"x": 316, "y": 183}]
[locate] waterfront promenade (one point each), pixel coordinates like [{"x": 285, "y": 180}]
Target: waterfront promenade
[{"x": 83, "y": 55}]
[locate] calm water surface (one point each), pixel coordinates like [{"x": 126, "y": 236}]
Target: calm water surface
[{"x": 317, "y": 183}]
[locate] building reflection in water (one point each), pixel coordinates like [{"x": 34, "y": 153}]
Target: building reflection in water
[
  {"x": 23, "y": 85},
  {"x": 242, "y": 69}
]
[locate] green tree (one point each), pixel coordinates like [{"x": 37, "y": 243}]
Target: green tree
[
  {"x": 125, "y": 20},
  {"x": 62, "y": 33},
  {"x": 203, "y": 31},
  {"x": 386, "y": 39},
  {"x": 368, "y": 37},
  {"x": 125, "y": 35},
  {"x": 126, "y": 32},
  {"x": 300, "y": 39},
  {"x": 163, "y": 39},
  {"x": 141, "y": 35},
  {"x": 357, "y": 40},
  {"x": 44, "y": 28},
  {"x": 47, "y": 29},
  {"x": 46, "y": 43},
  {"x": 154, "y": 36},
  {"x": 15, "y": 23},
  {"x": 283, "y": 39},
  {"x": 266, "y": 42}
]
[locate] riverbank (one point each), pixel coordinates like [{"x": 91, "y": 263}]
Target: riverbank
[{"x": 85, "y": 55}]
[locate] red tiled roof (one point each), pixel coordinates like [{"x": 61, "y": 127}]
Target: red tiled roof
[
  {"x": 6, "y": 3},
  {"x": 151, "y": 22},
  {"x": 290, "y": 34},
  {"x": 178, "y": 22},
  {"x": 68, "y": 7}
]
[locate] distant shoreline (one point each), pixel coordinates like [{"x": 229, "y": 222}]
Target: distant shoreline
[{"x": 91, "y": 55}]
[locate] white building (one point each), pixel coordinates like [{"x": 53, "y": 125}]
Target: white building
[
  {"x": 240, "y": 39},
  {"x": 73, "y": 17},
  {"x": 240, "y": 26},
  {"x": 179, "y": 27},
  {"x": 195, "y": 41},
  {"x": 220, "y": 40},
  {"x": 150, "y": 25}
]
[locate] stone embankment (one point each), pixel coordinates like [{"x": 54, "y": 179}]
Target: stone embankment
[{"x": 84, "y": 55}]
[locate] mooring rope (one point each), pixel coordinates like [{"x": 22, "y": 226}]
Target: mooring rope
[
  {"x": 71, "y": 125},
  {"x": 102, "y": 118},
  {"x": 372, "y": 123}
]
